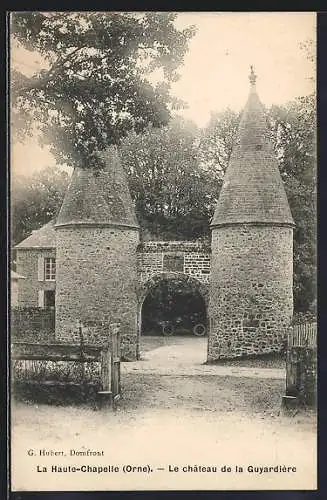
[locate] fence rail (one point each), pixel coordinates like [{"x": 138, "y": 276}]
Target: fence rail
[
  {"x": 107, "y": 355},
  {"x": 55, "y": 352}
]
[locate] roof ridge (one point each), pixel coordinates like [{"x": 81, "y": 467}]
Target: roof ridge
[{"x": 44, "y": 237}]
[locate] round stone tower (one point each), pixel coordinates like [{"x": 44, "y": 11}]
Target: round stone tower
[
  {"x": 251, "y": 281},
  {"x": 97, "y": 234}
]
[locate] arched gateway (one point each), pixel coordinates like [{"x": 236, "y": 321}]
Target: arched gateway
[
  {"x": 180, "y": 271},
  {"x": 195, "y": 284},
  {"x": 182, "y": 305}
]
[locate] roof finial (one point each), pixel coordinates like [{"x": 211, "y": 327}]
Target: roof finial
[{"x": 252, "y": 76}]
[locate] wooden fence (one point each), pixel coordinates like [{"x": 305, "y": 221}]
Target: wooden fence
[
  {"x": 301, "y": 365},
  {"x": 304, "y": 335},
  {"x": 108, "y": 355}
]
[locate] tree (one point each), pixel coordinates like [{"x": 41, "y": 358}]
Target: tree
[
  {"x": 35, "y": 201},
  {"x": 94, "y": 87},
  {"x": 294, "y": 132},
  {"x": 171, "y": 190},
  {"x": 215, "y": 148},
  {"x": 216, "y": 142}
]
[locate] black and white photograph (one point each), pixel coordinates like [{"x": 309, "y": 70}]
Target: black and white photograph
[{"x": 163, "y": 288}]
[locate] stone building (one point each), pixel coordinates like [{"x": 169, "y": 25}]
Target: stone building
[
  {"x": 36, "y": 260},
  {"x": 251, "y": 280},
  {"x": 91, "y": 263}
]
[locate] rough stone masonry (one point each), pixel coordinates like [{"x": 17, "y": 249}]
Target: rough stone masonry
[
  {"x": 97, "y": 236},
  {"x": 251, "y": 279}
]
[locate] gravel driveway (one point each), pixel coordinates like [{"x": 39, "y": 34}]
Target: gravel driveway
[{"x": 187, "y": 356}]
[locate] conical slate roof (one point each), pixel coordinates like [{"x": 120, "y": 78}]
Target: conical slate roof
[
  {"x": 252, "y": 191},
  {"x": 99, "y": 198}
]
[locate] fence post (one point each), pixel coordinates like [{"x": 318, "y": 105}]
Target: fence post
[
  {"x": 80, "y": 332},
  {"x": 301, "y": 366},
  {"x": 105, "y": 394},
  {"x": 115, "y": 361}
]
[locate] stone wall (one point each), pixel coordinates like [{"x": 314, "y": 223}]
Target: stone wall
[
  {"x": 96, "y": 282},
  {"x": 32, "y": 324},
  {"x": 197, "y": 265},
  {"x": 187, "y": 257},
  {"x": 251, "y": 294},
  {"x": 27, "y": 265}
]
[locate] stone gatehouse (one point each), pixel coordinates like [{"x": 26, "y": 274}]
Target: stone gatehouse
[
  {"x": 91, "y": 262},
  {"x": 155, "y": 261}
]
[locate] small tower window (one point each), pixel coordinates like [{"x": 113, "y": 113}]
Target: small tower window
[{"x": 50, "y": 269}]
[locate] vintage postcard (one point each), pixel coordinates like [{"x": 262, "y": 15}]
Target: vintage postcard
[{"x": 163, "y": 251}]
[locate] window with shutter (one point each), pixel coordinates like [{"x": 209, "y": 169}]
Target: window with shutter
[
  {"x": 41, "y": 298},
  {"x": 40, "y": 268}
]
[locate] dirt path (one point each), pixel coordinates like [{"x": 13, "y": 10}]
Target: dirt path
[{"x": 187, "y": 356}]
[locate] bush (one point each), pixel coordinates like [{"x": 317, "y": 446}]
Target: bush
[
  {"x": 304, "y": 317},
  {"x": 24, "y": 390},
  {"x": 56, "y": 382}
]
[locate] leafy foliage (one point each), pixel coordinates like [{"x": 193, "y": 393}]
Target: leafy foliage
[
  {"x": 295, "y": 140},
  {"x": 35, "y": 200},
  {"x": 172, "y": 193},
  {"x": 94, "y": 91},
  {"x": 216, "y": 142},
  {"x": 302, "y": 317},
  {"x": 94, "y": 87}
]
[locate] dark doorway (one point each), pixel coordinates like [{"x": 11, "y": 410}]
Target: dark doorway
[
  {"x": 174, "y": 307},
  {"x": 49, "y": 298}
]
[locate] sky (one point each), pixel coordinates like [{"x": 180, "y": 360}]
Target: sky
[{"x": 216, "y": 68}]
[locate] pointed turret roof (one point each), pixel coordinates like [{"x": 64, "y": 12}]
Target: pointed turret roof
[
  {"x": 252, "y": 191},
  {"x": 99, "y": 197}
]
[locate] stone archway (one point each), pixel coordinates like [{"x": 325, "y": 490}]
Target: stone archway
[{"x": 192, "y": 283}]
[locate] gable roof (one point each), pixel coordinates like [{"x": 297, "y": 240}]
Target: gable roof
[
  {"x": 252, "y": 190},
  {"x": 45, "y": 237},
  {"x": 99, "y": 198}
]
